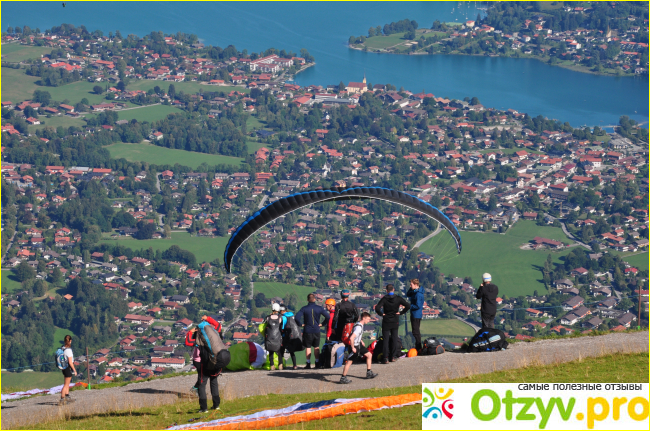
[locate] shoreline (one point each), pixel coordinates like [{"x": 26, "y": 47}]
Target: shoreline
[{"x": 574, "y": 68}]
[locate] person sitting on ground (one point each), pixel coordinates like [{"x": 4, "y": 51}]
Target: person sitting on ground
[
  {"x": 273, "y": 336},
  {"x": 330, "y": 306},
  {"x": 389, "y": 308},
  {"x": 416, "y": 298},
  {"x": 488, "y": 293},
  {"x": 357, "y": 350},
  {"x": 311, "y": 313},
  {"x": 344, "y": 312},
  {"x": 290, "y": 335},
  {"x": 68, "y": 371}
]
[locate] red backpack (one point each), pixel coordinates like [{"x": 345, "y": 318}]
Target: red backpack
[{"x": 347, "y": 333}]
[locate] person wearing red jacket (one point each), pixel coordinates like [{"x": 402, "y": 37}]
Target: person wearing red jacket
[
  {"x": 190, "y": 340},
  {"x": 330, "y": 305}
]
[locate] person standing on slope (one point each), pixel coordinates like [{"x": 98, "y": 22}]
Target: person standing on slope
[
  {"x": 309, "y": 317},
  {"x": 68, "y": 369},
  {"x": 389, "y": 308},
  {"x": 416, "y": 298},
  {"x": 488, "y": 294}
]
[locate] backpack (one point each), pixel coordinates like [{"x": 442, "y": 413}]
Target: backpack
[
  {"x": 332, "y": 355},
  {"x": 291, "y": 336},
  {"x": 60, "y": 358},
  {"x": 214, "y": 354},
  {"x": 348, "y": 329},
  {"x": 488, "y": 340},
  {"x": 432, "y": 346},
  {"x": 273, "y": 334},
  {"x": 395, "y": 347}
]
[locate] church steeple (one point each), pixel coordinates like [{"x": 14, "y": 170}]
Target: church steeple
[{"x": 364, "y": 77}]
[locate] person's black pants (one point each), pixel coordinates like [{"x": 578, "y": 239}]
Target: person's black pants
[
  {"x": 214, "y": 388},
  {"x": 293, "y": 355},
  {"x": 487, "y": 320},
  {"x": 272, "y": 354},
  {"x": 389, "y": 333},
  {"x": 415, "y": 330}
]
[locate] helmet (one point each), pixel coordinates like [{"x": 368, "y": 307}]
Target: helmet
[
  {"x": 345, "y": 293},
  {"x": 330, "y": 301},
  {"x": 275, "y": 307},
  {"x": 487, "y": 277},
  {"x": 412, "y": 353}
]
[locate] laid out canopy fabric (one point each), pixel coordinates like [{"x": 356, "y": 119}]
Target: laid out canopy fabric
[{"x": 296, "y": 201}]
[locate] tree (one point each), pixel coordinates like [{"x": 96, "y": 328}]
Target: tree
[
  {"x": 97, "y": 89},
  {"x": 229, "y": 315},
  {"x": 171, "y": 92},
  {"x": 145, "y": 230},
  {"x": 42, "y": 97},
  {"x": 260, "y": 300},
  {"x": 56, "y": 276},
  {"x": 24, "y": 271},
  {"x": 121, "y": 86}
]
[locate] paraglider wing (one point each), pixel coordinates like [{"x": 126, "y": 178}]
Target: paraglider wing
[{"x": 296, "y": 201}]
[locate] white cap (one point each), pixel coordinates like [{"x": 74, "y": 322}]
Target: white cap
[
  {"x": 275, "y": 307},
  {"x": 487, "y": 277}
]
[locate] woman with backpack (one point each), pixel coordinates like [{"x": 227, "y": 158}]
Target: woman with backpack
[
  {"x": 291, "y": 341},
  {"x": 273, "y": 335},
  {"x": 204, "y": 375},
  {"x": 65, "y": 362}
]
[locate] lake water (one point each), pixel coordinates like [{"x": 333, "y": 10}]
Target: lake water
[{"x": 324, "y": 28}]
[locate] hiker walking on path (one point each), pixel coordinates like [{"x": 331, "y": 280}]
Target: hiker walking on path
[
  {"x": 389, "y": 308},
  {"x": 273, "y": 335},
  {"x": 357, "y": 350},
  {"x": 416, "y": 298},
  {"x": 309, "y": 317},
  {"x": 488, "y": 294},
  {"x": 66, "y": 365}
]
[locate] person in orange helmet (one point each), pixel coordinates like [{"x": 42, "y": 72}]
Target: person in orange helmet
[{"x": 330, "y": 305}]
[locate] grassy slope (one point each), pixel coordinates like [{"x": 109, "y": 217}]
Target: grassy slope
[
  {"x": 15, "y": 52},
  {"x": 384, "y": 41},
  {"x": 639, "y": 261},
  {"x": 147, "y": 113},
  {"x": 14, "y": 382},
  {"x": 515, "y": 271},
  {"x": 271, "y": 289},
  {"x": 204, "y": 248},
  {"x": 629, "y": 368},
  {"x": 161, "y": 155},
  {"x": 56, "y": 121},
  {"x": 59, "y": 333},
  {"x": 9, "y": 281}
]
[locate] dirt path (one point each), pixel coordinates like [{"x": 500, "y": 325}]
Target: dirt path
[{"x": 404, "y": 372}]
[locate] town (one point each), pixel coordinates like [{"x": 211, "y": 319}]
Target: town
[
  {"x": 80, "y": 228},
  {"x": 568, "y": 36}
]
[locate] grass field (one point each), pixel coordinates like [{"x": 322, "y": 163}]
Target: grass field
[
  {"x": 14, "y": 382},
  {"x": 380, "y": 42},
  {"x": 16, "y": 87},
  {"x": 515, "y": 271},
  {"x": 56, "y": 121},
  {"x": 166, "y": 156},
  {"x": 509, "y": 150},
  {"x": 15, "y": 52},
  {"x": 146, "y": 113},
  {"x": 639, "y": 261},
  {"x": 253, "y": 146},
  {"x": 59, "y": 333},
  {"x": 451, "y": 329},
  {"x": 271, "y": 289},
  {"x": 629, "y": 368},
  {"x": 204, "y": 248},
  {"x": 9, "y": 281},
  {"x": 186, "y": 87}
]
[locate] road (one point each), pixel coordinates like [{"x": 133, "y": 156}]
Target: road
[
  {"x": 431, "y": 235},
  {"x": 474, "y": 327},
  {"x": 569, "y": 234},
  {"x": 11, "y": 242},
  {"x": 264, "y": 199}
]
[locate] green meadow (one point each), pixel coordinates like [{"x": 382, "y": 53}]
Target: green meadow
[
  {"x": 15, "y": 52},
  {"x": 145, "y": 113},
  {"x": 271, "y": 289},
  {"x": 186, "y": 87},
  {"x": 167, "y": 156},
  {"x": 204, "y": 248},
  {"x": 9, "y": 281},
  {"x": 515, "y": 271}
]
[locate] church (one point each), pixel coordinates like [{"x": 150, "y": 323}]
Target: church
[{"x": 357, "y": 87}]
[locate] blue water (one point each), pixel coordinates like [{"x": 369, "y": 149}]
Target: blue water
[{"x": 324, "y": 28}]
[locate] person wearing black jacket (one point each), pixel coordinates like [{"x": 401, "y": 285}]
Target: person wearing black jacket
[
  {"x": 389, "y": 308},
  {"x": 488, "y": 294},
  {"x": 344, "y": 312}
]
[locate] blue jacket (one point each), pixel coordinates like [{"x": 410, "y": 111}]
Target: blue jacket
[
  {"x": 311, "y": 313},
  {"x": 284, "y": 318},
  {"x": 416, "y": 298}
]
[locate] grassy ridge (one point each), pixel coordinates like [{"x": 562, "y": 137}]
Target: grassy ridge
[
  {"x": 204, "y": 248},
  {"x": 167, "y": 156},
  {"x": 515, "y": 271},
  {"x": 629, "y": 368}
]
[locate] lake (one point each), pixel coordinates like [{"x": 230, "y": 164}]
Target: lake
[{"x": 525, "y": 85}]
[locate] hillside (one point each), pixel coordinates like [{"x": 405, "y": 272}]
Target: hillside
[{"x": 406, "y": 372}]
